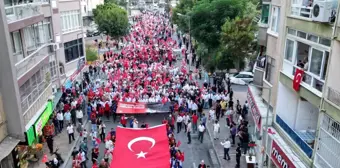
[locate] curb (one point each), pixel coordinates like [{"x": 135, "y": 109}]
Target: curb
[
  {"x": 213, "y": 153},
  {"x": 76, "y": 142}
]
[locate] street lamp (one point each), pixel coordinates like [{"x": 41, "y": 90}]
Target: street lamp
[
  {"x": 179, "y": 14},
  {"x": 267, "y": 116}
]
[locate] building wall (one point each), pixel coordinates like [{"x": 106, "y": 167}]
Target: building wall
[
  {"x": 334, "y": 68},
  {"x": 307, "y": 116},
  {"x": 3, "y": 128},
  {"x": 287, "y": 106}
]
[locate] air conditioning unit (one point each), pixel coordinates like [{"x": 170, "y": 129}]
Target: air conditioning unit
[{"x": 324, "y": 10}]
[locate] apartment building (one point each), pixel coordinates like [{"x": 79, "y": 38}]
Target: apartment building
[
  {"x": 87, "y": 7},
  {"x": 305, "y": 130},
  {"x": 41, "y": 50}
]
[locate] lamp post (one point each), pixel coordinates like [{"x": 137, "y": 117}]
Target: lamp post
[
  {"x": 267, "y": 116},
  {"x": 179, "y": 14}
]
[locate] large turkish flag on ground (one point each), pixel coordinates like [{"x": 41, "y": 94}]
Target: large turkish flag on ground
[
  {"x": 144, "y": 148},
  {"x": 297, "y": 78}
]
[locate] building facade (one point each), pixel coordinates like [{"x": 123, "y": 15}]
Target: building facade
[
  {"x": 305, "y": 129},
  {"x": 42, "y": 46}
]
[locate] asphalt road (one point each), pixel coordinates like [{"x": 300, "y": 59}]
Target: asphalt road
[{"x": 194, "y": 152}]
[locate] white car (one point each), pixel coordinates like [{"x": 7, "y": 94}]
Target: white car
[{"x": 242, "y": 78}]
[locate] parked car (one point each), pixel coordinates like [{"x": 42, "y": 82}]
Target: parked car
[{"x": 242, "y": 78}]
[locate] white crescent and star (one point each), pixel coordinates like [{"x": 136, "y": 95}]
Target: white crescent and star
[
  {"x": 298, "y": 76},
  {"x": 141, "y": 154}
]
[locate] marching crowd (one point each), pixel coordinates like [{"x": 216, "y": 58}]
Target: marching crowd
[{"x": 145, "y": 69}]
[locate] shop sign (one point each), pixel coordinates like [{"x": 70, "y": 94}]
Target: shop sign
[
  {"x": 280, "y": 158},
  {"x": 254, "y": 109},
  {"x": 30, "y": 136},
  {"x": 45, "y": 116}
]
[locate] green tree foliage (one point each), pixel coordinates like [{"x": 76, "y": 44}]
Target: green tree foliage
[
  {"x": 111, "y": 20},
  {"x": 118, "y": 2},
  {"x": 184, "y": 7},
  {"x": 207, "y": 17},
  {"x": 91, "y": 54}
]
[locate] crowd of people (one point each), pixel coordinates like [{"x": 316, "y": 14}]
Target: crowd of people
[{"x": 145, "y": 69}]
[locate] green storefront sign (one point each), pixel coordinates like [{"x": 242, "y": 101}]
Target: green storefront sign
[
  {"x": 43, "y": 119},
  {"x": 30, "y": 136}
]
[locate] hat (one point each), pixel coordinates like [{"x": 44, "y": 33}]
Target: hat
[{"x": 202, "y": 161}]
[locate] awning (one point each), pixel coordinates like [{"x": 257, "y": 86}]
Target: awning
[{"x": 7, "y": 145}]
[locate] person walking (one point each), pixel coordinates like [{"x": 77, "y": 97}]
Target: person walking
[
  {"x": 188, "y": 130},
  {"x": 60, "y": 119},
  {"x": 102, "y": 131},
  {"x": 226, "y": 145},
  {"x": 70, "y": 131},
  {"x": 186, "y": 119},
  {"x": 238, "y": 155},
  {"x": 194, "y": 122},
  {"x": 233, "y": 132},
  {"x": 179, "y": 123},
  {"x": 67, "y": 117},
  {"x": 123, "y": 120},
  {"x": 216, "y": 129},
  {"x": 79, "y": 115},
  {"x": 201, "y": 129},
  {"x": 49, "y": 140}
]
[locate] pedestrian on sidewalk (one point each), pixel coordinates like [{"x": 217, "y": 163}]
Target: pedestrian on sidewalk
[
  {"x": 188, "y": 130},
  {"x": 179, "y": 123},
  {"x": 70, "y": 131},
  {"x": 238, "y": 155},
  {"x": 201, "y": 129},
  {"x": 226, "y": 145},
  {"x": 49, "y": 140},
  {"x": 60, "y": 119},
  {"x": 67, "y": 117},
  {"x": 186, "y": 119},
  {"x": 202, "y": 165},
  {"x": 211, "y": 115},
  {"x": 233, "y": 132},
  {"x": 123, "y": 120},
  {"x": 204, "y": 119},
  {"x": 102, "y": 131},
  {"x": 216, "y": 127},
  {"x": 79, "y": 115}
]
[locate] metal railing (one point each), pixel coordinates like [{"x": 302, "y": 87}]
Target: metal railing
[
  {"x": 302, "y": 11},
  {"x": 295, "y": 137},
  {"x": 333, "y": 96},
  {"x": 33, "y": 59},
  {"x": 35, "y": 100},
  {"x": 22, "y": 11}
]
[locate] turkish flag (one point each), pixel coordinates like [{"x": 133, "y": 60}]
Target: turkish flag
[
  {"x": 141, "y": 148},
  {"x": 297, "y": 78}
]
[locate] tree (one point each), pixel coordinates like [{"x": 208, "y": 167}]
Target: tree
[
  {"x": 184, "y": 7},
  {"x": 209, "y": 16},
  {"x": 111, "y": 20},
  {"x": 118, "y": 2},
  {"x": 91, "y": 54}
]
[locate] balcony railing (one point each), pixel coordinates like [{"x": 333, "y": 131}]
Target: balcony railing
[
  {"x": 316, "y": 84},
  {"x": 333, "y": 96},
  {"x": 32, "y": 60},
  {"x": 22, "y": 11},
  {"x": 31, "y": 104},
  {"x": 295, "y": 137},
  {"x": 301, "y": 10}
]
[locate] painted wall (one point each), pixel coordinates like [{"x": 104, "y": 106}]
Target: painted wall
[
  {"x": 287, "y": 103},
  {"x": 307, "y": 116},
  {"x": 333, "y": 79}
]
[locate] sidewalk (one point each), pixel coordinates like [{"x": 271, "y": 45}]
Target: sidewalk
[
  {"x": 61, "y": 142},
  {"x": 225, "y": 133}
]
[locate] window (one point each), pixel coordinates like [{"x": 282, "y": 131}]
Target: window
[
  {"x": 289, "y": 50},
  {"x": 70, "y": 21},
  {"x": 270, "y": 69},
  {"x": 73, "y": 49},
  {"x": 37, "y": 35},
  {"x": 265, "y": 13},
  {"x": 302, "y": 8},
  {"x": 275, "y": 17},
  {"x": 316, "y": 61}
]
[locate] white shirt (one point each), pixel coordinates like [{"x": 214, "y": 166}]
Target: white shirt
[
  {"x": 194, "y": 106},
  {"x": 179, "y": 118},
  {"x": 226, "y": 144},
  {"x": 135, "y": 124},
  {"x": 186, "y": 119},
  {"x": 189, "y": 127},
  {"x": 201, "y": 128},
  {"x": 79, "y": 114},
  {"x": 216, "y": 127},
  {"x": 60, "y": 116},
  {"x": 212, "y": 113},
  {"x": 70, "y": 129}
]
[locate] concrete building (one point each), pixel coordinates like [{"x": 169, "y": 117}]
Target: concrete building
[
  {"x": 41, "y": 47},
  {"x": 87, "y": 7},
  {"x": 306, "y": 127}
]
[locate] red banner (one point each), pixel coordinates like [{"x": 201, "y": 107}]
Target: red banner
[
  {"x": 255, "y": 112},
  {"x": 297, "y": 79},
  {"x": 279, "y": 157},
  {"x": 131, "y": 108},
  {"x": 141, "y": 148}
]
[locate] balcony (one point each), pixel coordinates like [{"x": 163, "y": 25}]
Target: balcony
[
  {"x": 302, "y": 8},
  {"x": 31, "y": 104},
  {"x": 300, "y": 138},
  {"x": 39, "y": 55},
  {"x": 22, "y": 11}
]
